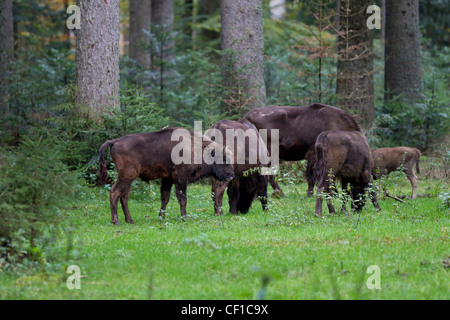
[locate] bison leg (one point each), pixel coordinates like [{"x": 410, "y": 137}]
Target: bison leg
[
  {"x": 166, "y": 186},
  {"x": 262, "y": 190},
  {"x": 323, "y": 189},
  {"x": 217, "y": 190},
  {"x": 373, "y": 198},
  {"x": 413, "y": 179},
  {"x": 114, "y": 200},
  {"x": 309, "y": 175},
  {"x": 277, "y": 192},
  {"x": 119, "y": 190},
  {"x": 310, "y": 191},
  {"x": 180, "y": 189},
  {"x": 124, "y": 202},
  {"x": 233, "y": 195},
  {"x": 319, "y": 201},
  {"x": 330, "y": 205}
]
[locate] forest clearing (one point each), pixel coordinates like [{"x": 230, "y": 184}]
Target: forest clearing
[{"x": 320, "y": 170}]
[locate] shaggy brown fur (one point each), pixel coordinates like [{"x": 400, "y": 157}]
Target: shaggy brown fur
[
  {"x": 148, "y": 156},
  {"x": 247, "y": 184},
  {"x": 387, "y": 160},
  {"x": 347, "y": 156},
  {"x": 299, "y": 128}
]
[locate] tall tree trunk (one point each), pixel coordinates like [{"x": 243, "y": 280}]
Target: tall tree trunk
[
  {"x": 97, "y": 55},
  {"x": 355, "y": 61},
  {"x": 6, "y": 52},
  {"x": 243, "y": 59},
  {"x": 162, "y": 20},
  {"x": 403, "y": 67},
  {"x": 383, "y": 24},
  {"x": 162, "y": 55},
  {"x": 140, "y": 19}
]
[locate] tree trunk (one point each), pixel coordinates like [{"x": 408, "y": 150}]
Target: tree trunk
[
  {"x": 140, "y": 19},
  {"x": 97, "y": 55},
  {"x": 383, "y": 24},
  {"x": 162, "y": 20},
  {"x": 188, "y": 17},
  {"x": 243, "y": 59},
  {"x": 6, "y": 52},
  {"x": 163, "y": 45},
  {"x": 355, "y": 61},
  {"x": 403, "y": 67}
]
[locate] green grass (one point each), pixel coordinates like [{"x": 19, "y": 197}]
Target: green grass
[{"x": 208, "y": 257}]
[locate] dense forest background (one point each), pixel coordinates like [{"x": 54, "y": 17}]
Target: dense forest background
[{"x": 178, "y": 63}]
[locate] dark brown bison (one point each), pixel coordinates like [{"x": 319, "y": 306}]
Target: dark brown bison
[
  {"x": 387, "y": 160},
  {"x": 298, "y": 130},
  {"x": 248, "y": 183},
  {"x": 344, "y": 156},
  {"x": 150, "y": 156}
]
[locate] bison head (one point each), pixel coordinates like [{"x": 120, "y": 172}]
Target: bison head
[{"x": 223, "y": 170}]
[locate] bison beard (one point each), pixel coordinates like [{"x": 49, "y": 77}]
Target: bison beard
[
  {"x": 298, "y": 131},
  {"x": 148, "y": 156},
  {"x": 347, "y": 156}
]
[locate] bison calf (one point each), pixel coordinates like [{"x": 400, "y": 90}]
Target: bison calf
[
  {"x": 149, "y": 156},
  {"x": 387, "y": 160},
  {"x": 346, "y": 155},
  {"x": 248, "y": 184}
]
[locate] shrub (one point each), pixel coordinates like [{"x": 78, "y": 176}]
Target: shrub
[
  {"x": 135, "y": 114},
  {"x": 34, "y": 185}
]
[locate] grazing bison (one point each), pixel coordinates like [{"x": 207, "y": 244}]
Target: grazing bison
[
  {"x": 248, "y": 183},
  {"x": 387, "y": 160},
  {"x": 345, "y": 156},
  {"x": 149, "y": 156},
  {"x": 298, "y": 130}
]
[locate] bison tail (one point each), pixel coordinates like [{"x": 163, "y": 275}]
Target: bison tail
[
  {"x": 102, "y": 163},
  {"x": 318, "y": 167},
  {"x": 417, "y": 163}
]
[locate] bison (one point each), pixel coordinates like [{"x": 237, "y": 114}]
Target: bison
[
  {"x": 387, "y": 160},
  {"x": 343, "y": 155},
  {"x": 298, "y": 130},
  {"x": 149, "y": 156},
  {"x": 248, "y": 183}
]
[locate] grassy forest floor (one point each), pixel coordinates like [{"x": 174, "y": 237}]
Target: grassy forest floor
[{"x": 229, "y": 257}]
